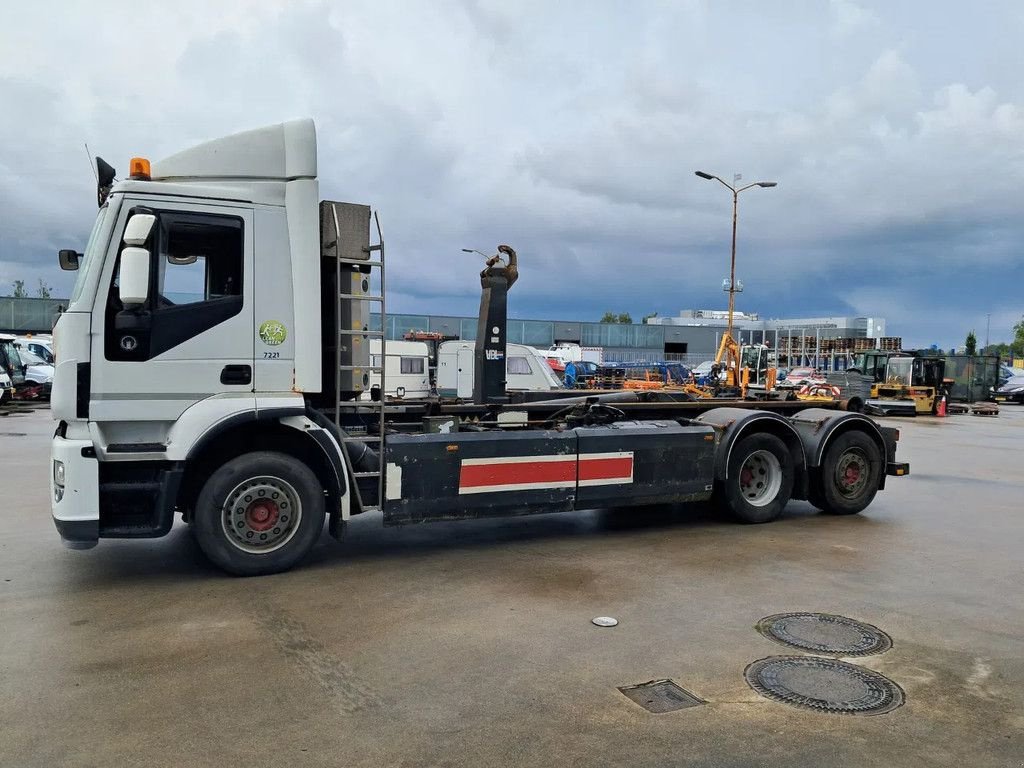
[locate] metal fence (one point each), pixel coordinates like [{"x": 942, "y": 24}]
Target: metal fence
[{"x": 29, "y": 315}]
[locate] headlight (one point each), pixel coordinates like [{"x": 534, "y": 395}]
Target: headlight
[{"x": 58, "y": 473}]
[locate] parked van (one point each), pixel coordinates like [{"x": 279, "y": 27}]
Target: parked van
[
  {"x": 40, "y": 346},
  {"x": 10, "y": 360},
  {"x": 6, "y": 388},
  {"x": 406, "y": 371},
  {"x": 526, "y": 369}
]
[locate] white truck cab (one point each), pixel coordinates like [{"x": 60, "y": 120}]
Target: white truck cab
[{"x": 184, "y": 329}]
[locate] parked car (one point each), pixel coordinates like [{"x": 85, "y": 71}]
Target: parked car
[
  {"x": 702, "y": 373},
  {"x": 797, "y": 377},
  {"x": 1012, "y": 390},
  {"x": 38, "y": 372},
  {"x": 40, "y": 346}
]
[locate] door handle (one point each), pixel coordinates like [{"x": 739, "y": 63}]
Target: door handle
[{"x": 236, "y": 374}]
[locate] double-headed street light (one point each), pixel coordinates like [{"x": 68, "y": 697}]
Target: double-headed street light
[{"x": 727, "y": 340}]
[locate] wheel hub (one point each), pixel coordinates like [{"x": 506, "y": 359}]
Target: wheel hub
[
  {"x": 261, "y": 514},
  {"x": 851, "y": 473},
  {"x": 760, "y": 478}
]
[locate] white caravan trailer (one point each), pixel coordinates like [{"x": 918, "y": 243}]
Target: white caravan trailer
[
  {"x": 405, "y": 371},
  {"x": 525, "y": 369}
]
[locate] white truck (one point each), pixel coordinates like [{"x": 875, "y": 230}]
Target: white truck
[{"x": 214, "y": 353}]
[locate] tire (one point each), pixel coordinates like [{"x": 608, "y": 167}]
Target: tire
[
  {"x": 760, "y": 479},
  {"x": 850, "y": 473},
  {"x": 259, "y": 513}
]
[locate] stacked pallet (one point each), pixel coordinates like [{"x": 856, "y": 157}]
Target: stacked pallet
[
  {"x": 890, "y": 343},
  {"x": 863, "y": 345}
]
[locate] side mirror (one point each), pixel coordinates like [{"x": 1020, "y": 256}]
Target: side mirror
[
  {"x": 136, "y": 232},
  {"x": 134, "y": 278},
  {"x": 68, "y": 259}
]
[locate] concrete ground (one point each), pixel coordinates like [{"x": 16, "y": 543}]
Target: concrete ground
[{"x": 470, "y": 643}]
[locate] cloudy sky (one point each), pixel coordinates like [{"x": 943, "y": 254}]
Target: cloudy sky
[{"x": 571, "y": 130}]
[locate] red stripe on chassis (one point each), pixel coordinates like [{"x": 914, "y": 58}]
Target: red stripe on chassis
[
  {"x": 606, "y": 469},
  {"x": 517, "y": 473}
]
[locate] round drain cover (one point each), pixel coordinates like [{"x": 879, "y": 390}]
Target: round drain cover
[
  {"x": 824, "y": 685},
  {"x": 605, "y": 621},
  {"x": 825, "y": 633}
]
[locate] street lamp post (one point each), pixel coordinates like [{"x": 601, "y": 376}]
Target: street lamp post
[{"x": 728, "y": 344}]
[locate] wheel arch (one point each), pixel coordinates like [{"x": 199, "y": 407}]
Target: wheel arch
[
  {"x": 819, "y": 428},
  {"x": 290, "y": 433},
  {"x": 733, "y": 424}
]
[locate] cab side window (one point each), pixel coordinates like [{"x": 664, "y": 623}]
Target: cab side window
[
  {"x": 200, "y": 258},
  {"x": 195, "y": 284}
]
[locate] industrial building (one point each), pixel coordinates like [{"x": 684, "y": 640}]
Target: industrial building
[{"x": 691, "y": 336}]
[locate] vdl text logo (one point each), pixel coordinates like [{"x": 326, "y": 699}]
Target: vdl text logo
[{"x": 273, "y": 332}]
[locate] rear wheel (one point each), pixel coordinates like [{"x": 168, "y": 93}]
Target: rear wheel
[
  {"x": 259, "y": 513},
  {"x": 850, "y": 473},
  {"x": 760, "y": 479}
]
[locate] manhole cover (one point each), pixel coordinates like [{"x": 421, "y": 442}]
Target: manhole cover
[
  {"x": 824, "y": 685},
  {"x": 660, "y": 696},
  {"x": 825, "y": 633}
]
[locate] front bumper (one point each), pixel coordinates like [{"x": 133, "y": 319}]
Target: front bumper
[{"x": 76, "y": 505}]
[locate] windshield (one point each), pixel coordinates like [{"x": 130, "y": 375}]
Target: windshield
[
  {"x": 751, "y": 357},
  {"x": 30, "y": 358},
  {"x": 900, "y": 370},
  {"x": 90, "y": 257}
]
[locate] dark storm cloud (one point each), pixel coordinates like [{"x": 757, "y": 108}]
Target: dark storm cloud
[{"x": 573, "y": 133}]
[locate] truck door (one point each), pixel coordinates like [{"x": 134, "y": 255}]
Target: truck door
[{"x": 193, "y": 339}]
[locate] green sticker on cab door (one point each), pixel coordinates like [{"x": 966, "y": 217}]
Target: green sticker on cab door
[{"x": 273, "y": 332}]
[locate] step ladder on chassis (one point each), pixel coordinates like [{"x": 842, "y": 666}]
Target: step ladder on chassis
[{"x": 350, "y": 409}]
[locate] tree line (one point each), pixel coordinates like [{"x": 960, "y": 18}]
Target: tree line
[{"x": 43, "y": 291}]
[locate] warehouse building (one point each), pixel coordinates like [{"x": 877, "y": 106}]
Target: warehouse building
[{"x": 692, "y": 336}]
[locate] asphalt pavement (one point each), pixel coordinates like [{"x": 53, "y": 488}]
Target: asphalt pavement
[{"x": 471, "y": 643}]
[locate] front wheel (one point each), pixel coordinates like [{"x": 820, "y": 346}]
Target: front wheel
[
  {"x": 760, "y": 479},
  {"x": 850, "y": 473},
  {"x": 259, "y": 513}
]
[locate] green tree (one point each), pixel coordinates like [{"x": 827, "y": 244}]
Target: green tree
[
  {"x": 648, "y": 317},
  {"x": 19, "y": 290},
  {"x": 611, "y": 317},
  {"x": 971, "y": 344},
  {"x": 43, "y": 291},
  {"x": 1017, "y": 346}
]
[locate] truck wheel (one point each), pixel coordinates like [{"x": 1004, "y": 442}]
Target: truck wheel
[
  {"x": 760, "y": 479},
  {"x": 259, "y": 513},
  {"x": 850, "y": 473}
]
